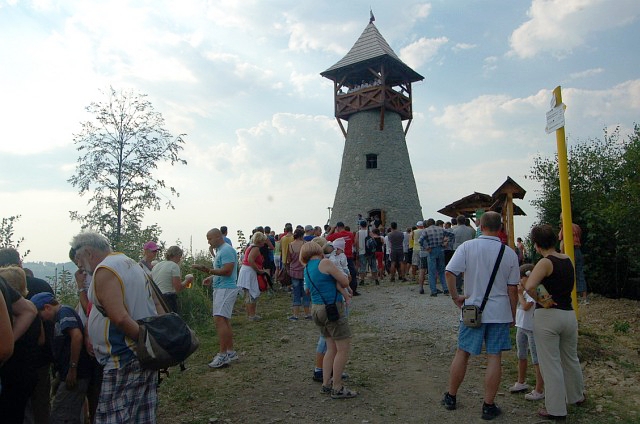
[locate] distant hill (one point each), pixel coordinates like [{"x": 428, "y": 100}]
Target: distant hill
[{"x": 49, "y": 269}]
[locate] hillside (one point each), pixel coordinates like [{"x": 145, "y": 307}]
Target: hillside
[{"x": 48, "y": 270}]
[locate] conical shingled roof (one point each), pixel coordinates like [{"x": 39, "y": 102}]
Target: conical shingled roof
[{"x": 371, "y": 47}]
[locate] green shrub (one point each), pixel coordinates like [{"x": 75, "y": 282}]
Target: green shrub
[{"x": 621, "y": 326}]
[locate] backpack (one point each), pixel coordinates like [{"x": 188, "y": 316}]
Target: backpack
[
  {"x": 164, "y": 341},
  {"x": 370, "y": 245}
]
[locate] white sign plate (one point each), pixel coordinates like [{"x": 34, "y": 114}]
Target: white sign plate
[{"x": 555, "y": 118}]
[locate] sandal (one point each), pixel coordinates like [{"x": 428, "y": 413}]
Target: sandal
[
  {"x": 343, "y": 393},
  {"x": 325, "y": 390},
  {"x": 543, "y": 413}
]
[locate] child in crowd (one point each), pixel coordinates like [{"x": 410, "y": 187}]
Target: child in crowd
[
  {"x": 71, "y": 362},
  {"x": 338, "y": 257},
  {"x": 524, "y": 339}
]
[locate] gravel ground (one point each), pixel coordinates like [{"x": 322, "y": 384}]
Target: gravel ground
[
  {"x": 399, "y": 308},
  {"x": 402, "y": 347}
]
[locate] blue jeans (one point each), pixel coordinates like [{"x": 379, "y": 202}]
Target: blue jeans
[
  {"x": 436, "y": 265},
  {"x": 299, "y": 296}
]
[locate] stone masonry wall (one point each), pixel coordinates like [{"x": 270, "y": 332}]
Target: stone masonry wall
[{"x": 390, "y": 187}]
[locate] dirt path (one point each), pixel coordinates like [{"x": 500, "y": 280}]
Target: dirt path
[{"x": 402, "y": 348}]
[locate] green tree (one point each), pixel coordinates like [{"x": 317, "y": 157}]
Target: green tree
[
  {"x": 119, "y": 150},
  {"x": 134, "y": 238},
  {"x": 604, "y": 185},
  {"x": 7, "y": 233},
  {"x": 242, "y": 241}
]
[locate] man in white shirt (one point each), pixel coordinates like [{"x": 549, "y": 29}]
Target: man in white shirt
[{"x": 476, "y": 258}]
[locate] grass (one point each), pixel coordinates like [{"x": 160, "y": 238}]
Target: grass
[{"x": 621, "y": 327}]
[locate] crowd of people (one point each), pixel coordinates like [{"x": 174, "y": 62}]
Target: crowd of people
[{"x": 92, "y": 347}]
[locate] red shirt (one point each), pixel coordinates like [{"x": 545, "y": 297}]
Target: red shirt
[
  {"x": 348, "y": 241},
  {"x": 577, "y": 234},
  {"x": 258, "y": 260}
]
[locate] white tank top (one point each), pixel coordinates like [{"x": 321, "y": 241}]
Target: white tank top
[
  {"x": 362, "y": 235},
  {"x": 112, "y": 347}
]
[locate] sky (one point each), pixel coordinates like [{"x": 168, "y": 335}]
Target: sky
[{"x": 242, "y": 80}]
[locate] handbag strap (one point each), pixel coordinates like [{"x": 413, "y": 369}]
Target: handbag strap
[
  {"x": 158, "y": 294},
  {"x": 314, "y": 286},
  {"x": 493, "y": 277},
  {"x": 155, "y": 289}
]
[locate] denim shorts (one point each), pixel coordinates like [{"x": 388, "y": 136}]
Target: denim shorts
[
  {"x": 299, "y": 295},
  {"x": 495, "y": 337},
  {"x": 367, "y": 261}
]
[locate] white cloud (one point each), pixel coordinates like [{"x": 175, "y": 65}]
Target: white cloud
[
  {"x": 422, "y": 10},
  {"x": 301, "y": 82},
  {"x": 491, "y": 119},
  {"x": 474, "y": 122},
  {"x": 489, "y": 65},
  {"x": 488, "y": 120},
  {"x": 422, "y": 51},
  {"x": 586, "y": 74},
  {"x": 463, "y": 46},
  {"x": 315, "y": 35},
  {"x": 559, "y": 26},
  {"x": 600, "y": 108}
]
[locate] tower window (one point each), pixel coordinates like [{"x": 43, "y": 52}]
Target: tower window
[{"x": 372, "y": 161}]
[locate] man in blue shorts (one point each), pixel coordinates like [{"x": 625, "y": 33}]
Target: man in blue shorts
[{"x": 476, "y": 259}]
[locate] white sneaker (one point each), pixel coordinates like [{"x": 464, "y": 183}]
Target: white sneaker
[
  {"x": 219, "y": 361},
  {"x": 232, "y": 356},
  {"x": 534, "y": 395},
  {"x": 519, "y": 387}
]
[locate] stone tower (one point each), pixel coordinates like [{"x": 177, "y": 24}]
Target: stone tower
[{"x": 372, "y": 92}]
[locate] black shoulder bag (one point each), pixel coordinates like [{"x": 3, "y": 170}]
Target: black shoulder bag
[
  {"x": 471, "y": 314},
  {"x": 331, "y": 308}
]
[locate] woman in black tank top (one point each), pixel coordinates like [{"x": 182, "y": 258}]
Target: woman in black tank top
[{"x": 555, "y": 326}]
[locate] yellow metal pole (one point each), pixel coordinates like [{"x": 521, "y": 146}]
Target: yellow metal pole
[{"x": 565, "y": 197}]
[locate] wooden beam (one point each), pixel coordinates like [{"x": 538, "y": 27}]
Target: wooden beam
[
  {"x": 335, "y": 98},
  {"x": 406, "y": 130},
  {"x": 509, "y": 226},
  {"x": 341, "y": 127}
]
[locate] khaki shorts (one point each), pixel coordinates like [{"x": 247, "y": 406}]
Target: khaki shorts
[
  {"x": 415, "y": 259},
  {"x": 337, "y": 330}
]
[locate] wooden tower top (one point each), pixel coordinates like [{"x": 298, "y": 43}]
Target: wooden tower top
[
  {"x": 371, "y": 50},
  {"x": 372, "y": 76}
]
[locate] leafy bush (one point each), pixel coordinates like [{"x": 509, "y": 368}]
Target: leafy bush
[
  {"x": 605, "y": 187},
  {"x": 195, "y": 303}
]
